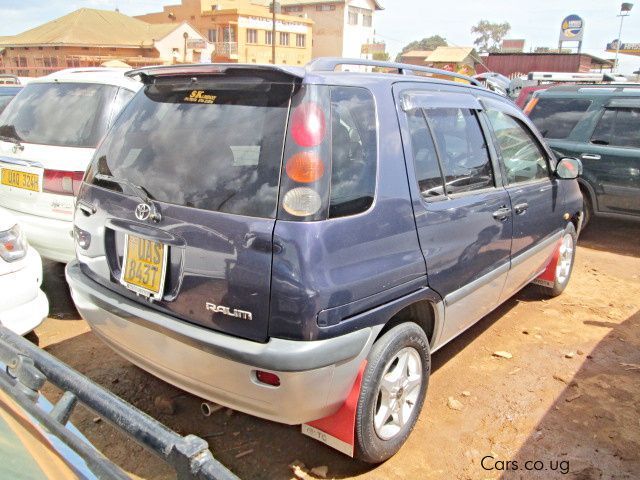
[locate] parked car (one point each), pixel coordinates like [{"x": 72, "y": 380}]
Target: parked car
[
  {"x": 295, "y": 289},
  {"x": 6, "y": 95},
  {"x": 23, "y": 306},
  {"x": 600, "y": 124},
  {"x": 48, "y": 134}
]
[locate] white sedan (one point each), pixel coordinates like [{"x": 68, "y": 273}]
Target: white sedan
[{"x": 23, "y": 306}]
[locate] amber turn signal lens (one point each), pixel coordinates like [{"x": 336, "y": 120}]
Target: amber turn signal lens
[
  {"x": 304, "y": 167},
  {"x": 532, "y": 103}
]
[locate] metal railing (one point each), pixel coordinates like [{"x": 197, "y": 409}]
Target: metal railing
[
  {"x": 225, "y": 48},
  {"x": 29, "y": 367}
]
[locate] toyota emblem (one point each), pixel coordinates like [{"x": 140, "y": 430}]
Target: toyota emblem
[{"x": 143, "y": 211}]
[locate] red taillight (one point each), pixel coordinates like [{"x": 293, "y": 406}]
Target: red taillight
[
  {"x": 62, "y": 182},
  {"x": 268, "y": 378},
  {"x": 308, "y": 125}
]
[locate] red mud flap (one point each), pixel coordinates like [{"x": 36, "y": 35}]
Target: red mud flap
[
  {"x": 548, "y": 277},
  {"x": 338, "y": 430}
]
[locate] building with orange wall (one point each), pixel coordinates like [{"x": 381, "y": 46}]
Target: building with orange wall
[
  {"x": 89, "y": 37},
  {"x": 241, "y": 31}
]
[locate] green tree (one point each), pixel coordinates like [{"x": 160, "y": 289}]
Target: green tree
[
  {"x": 428, "y": 43},
  {"x": 381, "y": 56},
  {"x": 489, "y": 35}
]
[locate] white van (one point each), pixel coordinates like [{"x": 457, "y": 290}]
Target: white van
[{"x": 48, "y": 135}]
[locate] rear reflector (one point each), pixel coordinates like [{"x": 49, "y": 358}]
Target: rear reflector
[
  {"x": 308, "y": 125},
  {"x": 62, "y": 182},
  {"x": 268, "y": 378}
]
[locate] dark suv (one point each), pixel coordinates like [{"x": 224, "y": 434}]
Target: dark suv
[
  {"x": 295, "y": 242},
  {"x": 600, "y": 125}
]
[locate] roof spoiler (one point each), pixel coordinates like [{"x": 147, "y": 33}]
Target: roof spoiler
[{"x": 147, "y": 74}]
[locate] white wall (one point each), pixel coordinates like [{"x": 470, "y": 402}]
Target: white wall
[
  {"x": 355, "y": 36},
  {"x": 175, "y": 40}
]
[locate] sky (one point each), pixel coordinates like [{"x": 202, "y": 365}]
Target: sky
[{"x": 402, "y": 21}]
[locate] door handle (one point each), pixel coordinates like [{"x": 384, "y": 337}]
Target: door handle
[
  {"x": 521, "y": 208},
  {"x": 590, "y": 156},
  {"x": 502, "y": 213}
]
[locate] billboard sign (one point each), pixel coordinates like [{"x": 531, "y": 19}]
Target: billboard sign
[
  {"x": 197, "y": 43},
  {"x": 572, "y": 29},
  {"x": 628, "y": 48}
]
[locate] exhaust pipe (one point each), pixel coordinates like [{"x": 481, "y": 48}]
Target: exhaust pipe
[{"x": 209, "y": 409}]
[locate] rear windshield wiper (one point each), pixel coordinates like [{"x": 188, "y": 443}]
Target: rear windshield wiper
[
  {"x": 139, "y": 192},
  {"x": 13, "y": 140}
]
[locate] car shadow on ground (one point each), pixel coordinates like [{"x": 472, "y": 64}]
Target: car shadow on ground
[
  {"x": 615, "y": 236},
  {"x": 592, "y": 430}
]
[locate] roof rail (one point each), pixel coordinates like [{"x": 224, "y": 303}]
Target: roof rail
[{"x": 329, "y": 64}]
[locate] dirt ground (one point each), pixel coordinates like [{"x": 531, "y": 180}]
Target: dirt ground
[{"x": 567, "y": 404}]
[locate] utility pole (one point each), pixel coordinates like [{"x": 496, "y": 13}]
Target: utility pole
[
  {"x": 625, "y": 11},
  {"x": 275, "y": 8}
]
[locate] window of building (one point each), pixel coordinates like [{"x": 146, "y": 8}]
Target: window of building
[
  {"x": 367, "y": 20},
  {"x": 618, "y": 127},
  {"x": 293, "y": 8},
  {"x": 325, "y": 7},
  {"x": 521, "y": 155},
  {"x": 301, "y": 40},
  {"x": 284, "y": 38},
  {"x": 353, "y": 16},
  {"x": 212, "y": 35},
  {"x": 252, "y": 35},
  {"x": 268, "y": 37},
  {"x": 228, "y": 34}
]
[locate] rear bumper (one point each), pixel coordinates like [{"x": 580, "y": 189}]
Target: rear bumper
[
  {"x": 52, "y": 238},
  {"x": 315, "y": 376},
  {"x": 23, "y": 306}
]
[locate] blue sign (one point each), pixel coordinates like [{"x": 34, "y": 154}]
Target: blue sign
[{"x": 572, "y": 29}]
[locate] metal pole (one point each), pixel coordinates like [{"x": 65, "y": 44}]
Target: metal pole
[
  {"x": 615, "y": 62},
  {"x": 273, "y": 32}
]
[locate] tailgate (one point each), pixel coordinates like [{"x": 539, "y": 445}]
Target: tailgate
[{"x": 204, "y": 154}]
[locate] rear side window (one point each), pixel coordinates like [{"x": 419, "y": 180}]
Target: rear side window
[
  {"x": 215, "y": 144},
  {"x": 353, "y": 152},
  {"x": 61, "y": 114},
  {"x": 459, "y": 155},
  {"x": 557, "y": 117},
  {"x": 618, "y": 127}
]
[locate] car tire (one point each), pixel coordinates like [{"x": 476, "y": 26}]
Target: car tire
[
  {"x": 394, "y": 386},
  {"x": 587, "y": 209},
  {"x": 564, "y": 267}
]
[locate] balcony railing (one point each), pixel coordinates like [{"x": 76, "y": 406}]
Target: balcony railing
[{"x": 225, "y": 49}]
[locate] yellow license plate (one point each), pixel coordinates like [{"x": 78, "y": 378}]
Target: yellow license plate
[
  {"x": 24, "y": 180},
  {"x": 144, "y": 265}
]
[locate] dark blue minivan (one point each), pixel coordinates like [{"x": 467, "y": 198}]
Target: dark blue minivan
[{"x": 294, "y": 243}]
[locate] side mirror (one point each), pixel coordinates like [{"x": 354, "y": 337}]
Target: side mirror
[{"x": 568, "y": 168}]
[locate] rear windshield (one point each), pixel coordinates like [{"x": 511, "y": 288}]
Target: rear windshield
[
  {"x": 215, "y": 145},
  {"x": 557, "y": 117},
  {"x": 61, "y": 114}
]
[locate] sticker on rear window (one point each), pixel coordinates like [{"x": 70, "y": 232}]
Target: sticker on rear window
[{"x": 199, "y": 96}]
